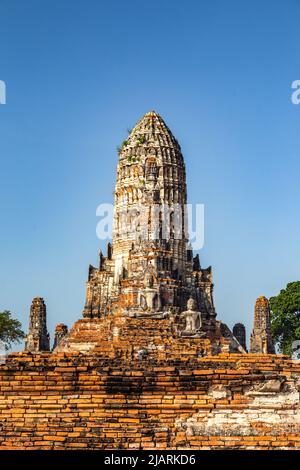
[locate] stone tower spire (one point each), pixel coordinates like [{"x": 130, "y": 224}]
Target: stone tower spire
[
  {"x": 38, "y": 338},
  {"x": 261, "y": 340},
  {"x": 151, "y": 173},
  {"x": 149, "y": 267}
]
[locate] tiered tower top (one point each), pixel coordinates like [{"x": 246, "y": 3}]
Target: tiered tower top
[{"x": 151, "y": 132}]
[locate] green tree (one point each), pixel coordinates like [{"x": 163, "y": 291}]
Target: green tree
[
  {"x": 285, "y": 317},
  {"x": 10, "y": 330}
]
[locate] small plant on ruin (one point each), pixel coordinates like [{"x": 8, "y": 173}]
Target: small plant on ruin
[
  {"x": 124, "y": 144},
  {"x": 131, "y": 158},
  {"x": 142, "y": 139}
]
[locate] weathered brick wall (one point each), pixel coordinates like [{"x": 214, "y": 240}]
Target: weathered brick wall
[{"x": 73, "y": 401}]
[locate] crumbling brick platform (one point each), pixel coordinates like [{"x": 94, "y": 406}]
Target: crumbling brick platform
[{"x": 79, "y": 401}]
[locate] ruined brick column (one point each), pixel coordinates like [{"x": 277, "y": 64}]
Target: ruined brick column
[
  {"x": 60, "y": 332},
  {"x": 239, "y": 331},
  {"x": 38, "y": 338},
  {"x": 261, "y": 340}
]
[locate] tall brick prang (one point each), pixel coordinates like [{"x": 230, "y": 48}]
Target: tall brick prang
[
  {"x": 38, "y": 338},
  {"x": 261, "y": 339},
  {"x": 149, "y": 270}
]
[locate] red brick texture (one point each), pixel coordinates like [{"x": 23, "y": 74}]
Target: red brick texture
[{"x": 77, "y": 401}]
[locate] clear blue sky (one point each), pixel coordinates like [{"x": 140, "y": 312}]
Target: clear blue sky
[{"x": 79, "y": 73}]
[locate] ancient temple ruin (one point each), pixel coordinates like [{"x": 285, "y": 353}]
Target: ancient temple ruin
[
  {"x": 149, "y": 272},
  {"x": 149, "y": 281},
  {"x": 149, "y": 365}
]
